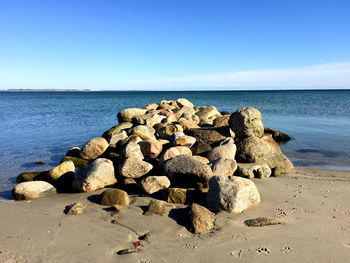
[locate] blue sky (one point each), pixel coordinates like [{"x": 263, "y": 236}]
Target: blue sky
[{"x": 168, "y": 44}]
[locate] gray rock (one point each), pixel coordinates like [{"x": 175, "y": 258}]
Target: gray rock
[
  {"x": 247, "y": 122},
  {"x": 94, "y": 148},
  {"x": 153, "y": 184},
  {"x": 115, "y": 137},
  {"x": 33, "y": 190},
  {"x": 184, "y": 169},
  {"x": 224, "y": 151},
  {"x": 278, "y": 136},
  {"x": 223, "y": 166},
  {"x": 256, "y": 150},
  {"x": 96, "y": 175},
  {"x": 134, "y": 167},
  {"x": 133, "y": 150},
  {"x": 251, "y": 170},
  {"x": 232, "y": 194}
]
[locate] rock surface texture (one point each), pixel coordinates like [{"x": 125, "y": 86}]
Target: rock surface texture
[
  {"x": 33, "y": 190},
  {"x": 247, "y": 122}
]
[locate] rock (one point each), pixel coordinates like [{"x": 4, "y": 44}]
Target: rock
[
  {"x": 127, "y": 114},
  {"x": 209, "y": 136},
  {"x": 152, "y": 106},
  {"x": 153, "y": 184},
  {"x": 62, "y": 169},
  {"x": 94, "y": 148},
  {"x": 224, "y": 151},
  {"x": 186, "y": 170},
  {"x": 255, "y": 150},
  {"x": 175, "y": 151},
  {"x": 144, "y": 132},
  {"x": 221, "y": 121},
  {"x": 201, "y": 158},
  {"x": 278, "y": 136},
  {"x": 116, "y": 129},
  {"x": 232, "y": 194},
  {"x": 134, "y": 167},
  {"x": 33, "y": 190},
  {"x": 177, "y": 195},
  {"x": 182, "y": 102},
  {"x": 186, "y": 113},
  {"x": 62, "y": 176},
  {"x": 251, "y": 170},
  {"x": 156, "y": 207},
  {"x": 223, "y": 166},
  {"x": 201, "y": 148},
  {"x": 186, "y": 124},
  {"x": 133, "y": 150},
  {"x": 115, "y": 137},
  {"x": 269, "y": 140},
  {"x": 76, "y": 209},
  {"x": 130, "y": 185},
  {"x": 149, "y": 119},
  {"x": 112, "y": 197},
  {"x": 181, "y": 139},
  {"x": 247, "y": 122},
  {"x": 261, "y": 221},
  {"x": 167, "y": 131},
  {"x": 209, "y": 112},
  {"x": 202, "y": 219},
  {"x": 151, "y": 148},
  {"x": 32, "y": 176},
  {"x": 78, "y": 162},
  {"x": 129, "y": 251},
  {"x": 132, "y": 138},
  {"x": 96, "y": 175},
  {"x": 74, "y": 152}
]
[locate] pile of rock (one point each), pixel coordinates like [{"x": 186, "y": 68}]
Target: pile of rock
[{"x": 172, "y": 151}]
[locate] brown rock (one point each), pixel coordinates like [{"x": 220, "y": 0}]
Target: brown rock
[
  {"x": 182, "y": 102},
  {"x": 153, "y": 184},
  {"x": 156, "y": 207},
  {"x": 94, "y": 148},
  {"x": 202, "y": 219},
  {"x": 151, "y": 148},
  {"x": 76, "y": 209},
  {"x": 127, "y": 114},
  {"x": 112, "y": 197}
]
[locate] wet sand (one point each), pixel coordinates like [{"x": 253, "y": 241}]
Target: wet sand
[{"x": 313, "y": 206}]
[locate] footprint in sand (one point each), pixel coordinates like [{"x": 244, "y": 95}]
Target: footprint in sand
[
  {"x": 347, "y": 244},
  {"x": 286, "y": 249},
  {"x": 263, "y": 251},
  {"x": 240, "y": 253}
]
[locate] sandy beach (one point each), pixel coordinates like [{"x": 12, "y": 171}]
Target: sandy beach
[{"x": 312, "y": 205}]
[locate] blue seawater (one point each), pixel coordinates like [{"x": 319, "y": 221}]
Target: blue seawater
[{"x": 43, "y": 126}]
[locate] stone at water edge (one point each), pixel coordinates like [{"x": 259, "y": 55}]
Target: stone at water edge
[
  {"x": 74, "y": 152},
  {"x": 112, "y": 197},
  {"x": 32, "y": 176},
  {"x": 76, "y": 209},
  {"x": 33, "y": 190},
  {"x": 116, "y": 129},
  {"x": 223, "y": 166},
  {"x": 182, "y": 102},
  {"x": 116, "y": 137},
  {"x": 96, "y": 175},
  {"x": 153, "y": 184},
  {"x": 94, "y": 148},
  {"x": 224, "y": 151},
  {"x": 232, "y": 194},
  {"x": 247, "y": 121},
  {"x": 61, "y": 170},
  {"x": 134, "y": 167},
  {"x": 278, "y": 136},
  {"x": 78, "y": 162},
  {"x": 256, "y": 150},
  {"x": 202, "y": 220},
  {"x": 127, "y": 114}
]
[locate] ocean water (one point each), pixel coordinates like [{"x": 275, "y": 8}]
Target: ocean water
[{"x": 43, "y": 126}]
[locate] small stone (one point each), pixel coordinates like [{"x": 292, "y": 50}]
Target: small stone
[
  {"x": 145, "y": 237},
  {"x": 156, "y": 207},
  {"x": 209, "y": 112},
  {"x": 115, "y": 221},
  {"x": 118, "y": 208},
  {"x": 116, "y": 129},
  {"x": 185, "y": 140},
  {"x": 278, "y": 136},
  {"x": 153, "y": 184},
  {"x": 94, "y": 148},
  {"x": 221, "y": 121},
  {"x": 39, "y": 162},
  {"x": 177, "y": 195},
  {"x": 261, "y": 221},
  {"x": 175, "y": 151},
  {"x": 31, "y": 176},
  {"x": 201, "y": 158},
  {"x": 115, "y": 137},
  {"x": 202, "y": 219},
  {"x": 76, "y": 209},
  {"x": 129, "y": 251},
  {"x": 115, "y": 196}
]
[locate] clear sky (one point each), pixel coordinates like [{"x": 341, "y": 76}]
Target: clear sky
[{"x": 174, "y": 44}]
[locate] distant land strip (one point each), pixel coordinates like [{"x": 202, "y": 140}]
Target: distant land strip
[{"x": 45, "y": 90}]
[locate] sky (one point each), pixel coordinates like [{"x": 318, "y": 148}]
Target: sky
[{"x": 174, "y": 44}]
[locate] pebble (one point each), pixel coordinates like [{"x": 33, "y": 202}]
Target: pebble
[{"x": 129, "y": 251}]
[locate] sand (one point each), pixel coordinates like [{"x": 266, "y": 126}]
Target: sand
[{"x": 312, "y": 204}]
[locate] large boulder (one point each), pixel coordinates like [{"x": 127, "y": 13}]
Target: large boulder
[
  {"x": 201, "y": 219},
  {"x": 151, "y": 148},
  {"x": 223, "y": 166},
  {"x": 115, "y": 196},
  {"x": 208, "y": 113},
  {"x": 132, "y": 149},
  {"x": 225, "y": 151},
  {"x": 94, "y": 148},
  {"x": 182, "y": 102},
  {"x": 186, "y": 170},
  {"x": 175, "y": 151},
  {"x": 96, "y": 175},
  {"x": 33, "y": 190},
  {"x": 232, "y": 194},
  {"x": 256, "y": 150},
  {"x": 126, "y": 115},
  {"x": 209, "y": 136},
  {"x": 62, "y": 176},
  {"x": 115, "y": 137},
  {"x": 247, "y": 122},
  {"x": 221, "y": 121},
  {"x": 153, "y": 184},
  {"x": 134, "y": 167},
  {"x": 144, "y": 132},
  {"x": 116, "y": 129}
]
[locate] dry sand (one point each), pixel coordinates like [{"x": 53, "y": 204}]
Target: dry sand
[{"x": 312, "y": 204}]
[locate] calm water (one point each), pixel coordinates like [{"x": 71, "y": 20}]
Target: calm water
[{"x": 43, "y": 126}]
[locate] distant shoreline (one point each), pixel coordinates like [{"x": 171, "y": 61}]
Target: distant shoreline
[{"x": 45, "y": 90}]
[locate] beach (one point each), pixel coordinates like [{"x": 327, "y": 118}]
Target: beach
[{"x": 311, "y": 204}]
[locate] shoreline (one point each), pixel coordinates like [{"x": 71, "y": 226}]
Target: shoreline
[{"x": 311, "y": 204}]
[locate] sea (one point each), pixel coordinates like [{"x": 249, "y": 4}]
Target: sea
[{"x": 42, "y": 126}]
